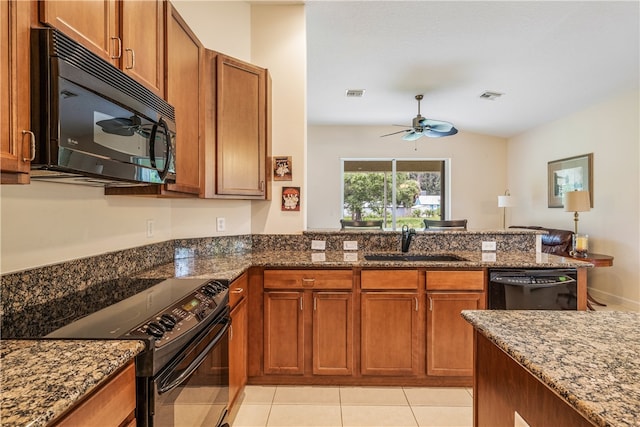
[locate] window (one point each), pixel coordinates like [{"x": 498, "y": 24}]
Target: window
[{"x": 397, "y": 191}]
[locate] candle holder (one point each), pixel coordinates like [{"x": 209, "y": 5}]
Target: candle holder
[{"x": 580, "y": 245}]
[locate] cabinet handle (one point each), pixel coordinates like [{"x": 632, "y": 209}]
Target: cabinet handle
[
  {"x": 238, "y": 291},
  {"x": 231, "y": 333},
  {"x": 33, "y": 146},
  {"x": 315, "y": 303},
  {"x": 119, "y": 44},
  {"x": 416, "y": 300},
  {"x": 300, "y": 303},
  {"x": 261, "y": 185},
  {"x": 133, "y": 58},
  {"x": 308, "y": 282},
  {"x": 430, "y": 304}
]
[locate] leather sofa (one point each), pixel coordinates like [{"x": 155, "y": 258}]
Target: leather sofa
[{"x": 557, "y": 242}]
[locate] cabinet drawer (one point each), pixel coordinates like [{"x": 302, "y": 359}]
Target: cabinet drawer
[
  {"x": 389, "y": 279},
  {"x": 238, "y": 290},
  {"x": 455, "y": 280},
  {"x": 110, "y": 405},
  {"x": 316, "y": 279}
]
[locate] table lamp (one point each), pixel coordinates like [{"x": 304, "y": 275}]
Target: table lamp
[
  {"x": 578, "y": 201},
  {"x": 505, "y": 202}
]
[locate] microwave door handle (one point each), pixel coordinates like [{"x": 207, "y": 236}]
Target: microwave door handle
[{"x": 152, "y": 148}]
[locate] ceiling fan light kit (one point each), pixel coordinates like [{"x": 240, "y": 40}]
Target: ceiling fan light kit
[{"x": 421, "y": 126}]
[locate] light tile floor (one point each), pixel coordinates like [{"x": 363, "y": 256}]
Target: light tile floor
[{"x": 300, "y": 406}]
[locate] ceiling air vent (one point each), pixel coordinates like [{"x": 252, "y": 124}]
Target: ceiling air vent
[
  {"x": 355, "y": 93},
  {"x": 491, "y": 96}
]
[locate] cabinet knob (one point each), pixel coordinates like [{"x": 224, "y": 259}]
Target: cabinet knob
[
  {"x": 238, "y": 291},
  {"x": 32, "y": 146}
]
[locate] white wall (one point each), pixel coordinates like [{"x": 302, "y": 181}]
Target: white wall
[
  {"x": 279, "y": 44},
  {"x": 609, "y": 130},
  {"x": 477, "y": 169}
]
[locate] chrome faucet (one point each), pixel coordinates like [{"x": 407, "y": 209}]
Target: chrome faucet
[{"x": 407, "y": 234}]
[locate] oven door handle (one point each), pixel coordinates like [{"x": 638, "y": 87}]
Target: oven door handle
[{"x": 195, "y": 364}]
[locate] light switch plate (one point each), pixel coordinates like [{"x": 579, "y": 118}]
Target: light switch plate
[
  {"x": 350, "y": 245},
  {"x": 488, "y": 257},
  {"x": 488, "y": 246},
  {"x": 350, "y": 257},
  {"x": 318, "y": 257},
  {"x": 318, "y": 245}
]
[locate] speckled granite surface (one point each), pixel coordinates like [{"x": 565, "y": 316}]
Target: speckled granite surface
[
  {"x": 42, "y": 379},
  {"x": 593, "y": 363}
]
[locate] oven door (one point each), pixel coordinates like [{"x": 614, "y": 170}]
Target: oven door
[{"x": 193, "y": 389}]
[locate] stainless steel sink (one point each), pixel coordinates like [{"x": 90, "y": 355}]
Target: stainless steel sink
[{"x": 410, "y": 257}]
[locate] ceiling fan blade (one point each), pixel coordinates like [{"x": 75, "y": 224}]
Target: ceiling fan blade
[
  {"x": 395, "y": 133},
  {"x": 435, "y": 134},
  {"x": 437, "y": 125},
  {"x": 413, "y": 135}
]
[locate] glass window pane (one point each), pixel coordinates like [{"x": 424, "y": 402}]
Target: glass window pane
[{"x": 368, "y": 192}]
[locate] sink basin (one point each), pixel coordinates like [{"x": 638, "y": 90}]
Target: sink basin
[{"x": 409, "y": 257}]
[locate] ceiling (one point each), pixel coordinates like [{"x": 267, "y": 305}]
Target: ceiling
[{"x": 548, "y": 58}]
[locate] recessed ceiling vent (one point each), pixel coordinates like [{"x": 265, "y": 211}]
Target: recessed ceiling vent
[
  {"x": 491, "y": 96},
  {"x": 355, "y": 93}
]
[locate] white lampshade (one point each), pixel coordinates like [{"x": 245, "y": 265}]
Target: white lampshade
[
  {"x": 505, "y": 202},
  {"x": 577, "y": 201}
]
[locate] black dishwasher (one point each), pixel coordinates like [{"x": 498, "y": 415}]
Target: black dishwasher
[{"x": 533, "y": 289}]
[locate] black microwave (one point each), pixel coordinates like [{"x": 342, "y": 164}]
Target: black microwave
[{"x": 93, "y": 124}]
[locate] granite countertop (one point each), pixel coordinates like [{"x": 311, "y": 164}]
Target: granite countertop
[
  {"x": 41, "y": 379},
  {"x": 231, "y": 266},
  {"x": 589, "y": 358}
]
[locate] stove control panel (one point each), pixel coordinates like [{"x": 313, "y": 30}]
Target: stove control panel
[{"x": 184, "y": 315}]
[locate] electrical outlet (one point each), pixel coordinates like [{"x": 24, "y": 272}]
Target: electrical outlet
[
  {"x": 318, "y": 245},
  {"x": 221, "y": 224},
  {"x": 150, "y": 227},
  {"x": 350, "y": 257},
  {"x": 318, "y": 257},
  {"x": 488, "y": 246},
  {"x": 488, "y": 257},
  {"x": 350, "y": 245}
]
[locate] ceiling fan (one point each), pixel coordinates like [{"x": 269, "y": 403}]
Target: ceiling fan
[{"x": 425, "y": 127}]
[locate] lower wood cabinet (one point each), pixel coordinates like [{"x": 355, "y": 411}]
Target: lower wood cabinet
[
  {"x": 449, "y": 336},
  {"x": 364, "y": 327},
  {"x": 287, "y": 345},
  {"x": 238, "y": 336},
  {"x": 389, "y": 333},
  {"x": 112, "y": 404},
  {"x": 332, "y": 333},
  {"x": 283, "y": 332}
]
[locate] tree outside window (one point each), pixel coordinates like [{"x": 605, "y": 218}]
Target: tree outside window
[{"x": 368, "y": 191}]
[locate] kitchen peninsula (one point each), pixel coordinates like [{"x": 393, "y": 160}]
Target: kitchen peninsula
[
  {"x": 581, "y": 367},
  {"x": 276, "y": 266}
]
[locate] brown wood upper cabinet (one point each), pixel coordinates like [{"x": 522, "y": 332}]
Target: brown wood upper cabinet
[
  {"x": 16, "y": 146},
  {"x": 128, "y": 33},
  {"x": 238, "y": 135}
]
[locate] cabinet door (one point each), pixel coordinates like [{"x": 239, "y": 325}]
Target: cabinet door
[
  {"x": 238, "y": 351},
  {"x": 15, "y": 149},
  {"x": 283, "y": 333},
  {"x": 93, "y": 24},
  {"x": 332, "y": 333},
  {"x": 143, "y": 43},
  {"x": 449, "y": 336},
  {"x": 240, "y": 128},
  {"x": 184, "y": 61},
  {"x": 389, "y": 333}
]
